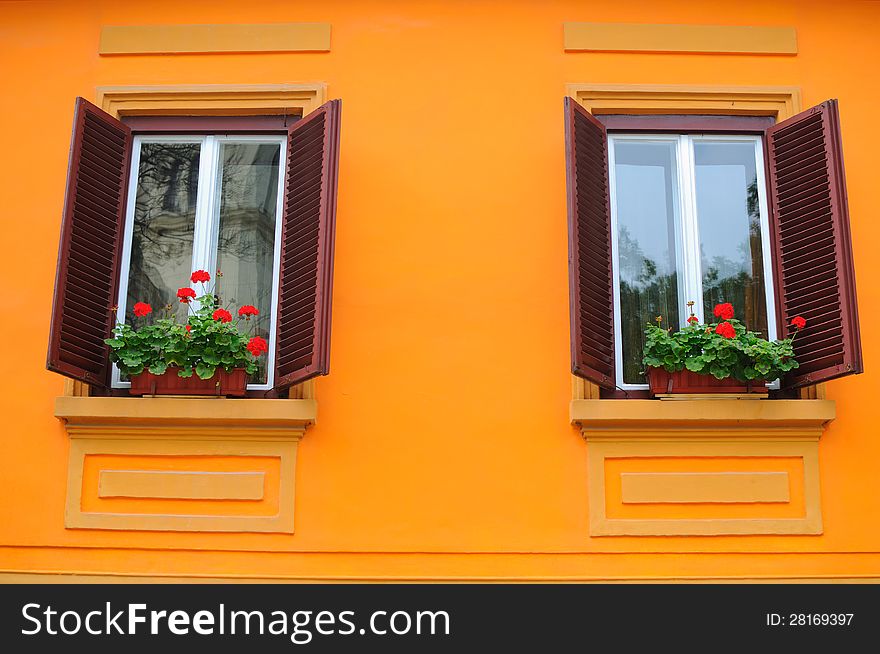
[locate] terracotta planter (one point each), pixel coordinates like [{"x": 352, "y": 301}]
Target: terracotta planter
[
  {"x": 687, "y": 382},
  {"x": 223, "y": 383}
]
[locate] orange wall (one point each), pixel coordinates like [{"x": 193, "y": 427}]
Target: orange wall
[{"x": 444, "y": 424}]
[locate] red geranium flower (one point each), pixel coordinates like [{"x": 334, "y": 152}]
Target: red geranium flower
[
  {"x": 247, "y": 311},
  {"x": 189, "y": 328},
  {"x": 693, "y": 320},
  {"x": 186, "y": 294},
  {"x": 725, "y": 329},
  {"x": 200, "y": 276},
  {"x": 257, "y": 346},
  {"x": 222, "y": 315},
  {"x": 141, "y": 309},
  {"x": 798, "y": 322},
  {"x": 724, "y": 311}
]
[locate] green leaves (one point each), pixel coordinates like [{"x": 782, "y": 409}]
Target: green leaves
[
  {"x": 700, "y": 349},
  {"x": 204, "y": 371},
  {"x": 164, "y": 343}
]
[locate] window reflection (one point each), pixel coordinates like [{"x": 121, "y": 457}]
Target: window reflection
[
  {"x": 246, "y": 235},
  {"x": 163, "y": 227},
  {"x": 646, "y": 214},
  {"x": 729, "y": 219}
]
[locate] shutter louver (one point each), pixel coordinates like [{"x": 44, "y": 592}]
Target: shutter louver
[
  {"x": 307, "y": 233},
  {"x": 813, "y": 266},
  {"x": 87, "y": 276},
  {"x": 589, "y": 247}
]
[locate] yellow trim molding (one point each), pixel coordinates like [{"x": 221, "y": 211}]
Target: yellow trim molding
[
  {"x": 174, "y": 484},
  {"x": 655, "y": 37},
  {"x": 211, "y": 99},
  {"x": 190, "y": 39},
  {"x": 122, "y": 578},
  {"x": 780, "y": 102},
  {"x": 703, "y": 487},
  {"x": 178, "y": 464},
  {"x": 703, "y": 467}
]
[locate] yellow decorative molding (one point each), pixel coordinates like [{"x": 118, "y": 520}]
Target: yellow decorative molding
[
  {"x": 742, "y": 419},
  {"x": 173, "y": 484},
  {"x": 192, "y": 39},
  {"x": 703, "y": 487},
  {"x": 703, "y": 467},
  {"x": 15, "y": 577},
  {"x": 656, "y": 37},
  {"x": 778, "y": 101},
  {"x": 178, "y": 464},
  {"x": 211, "y": 99}
]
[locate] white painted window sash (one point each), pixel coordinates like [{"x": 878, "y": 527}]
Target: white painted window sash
[
  {"x": 687, "y": 236},
  {"x": 206, "y": 225}
]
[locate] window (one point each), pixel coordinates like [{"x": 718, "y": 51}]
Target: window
[
  {"x": 689, "y": 223},
  {"x": 142, "y": 211},
  {"x": 205, "y": 203},
  {"x": 658, "y": 219}
]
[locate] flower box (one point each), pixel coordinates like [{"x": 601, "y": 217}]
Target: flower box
[
  {"x": 222, "y": 384},
  {"x": 684, "y": 381},
  {"x": 202, "y": 348}
]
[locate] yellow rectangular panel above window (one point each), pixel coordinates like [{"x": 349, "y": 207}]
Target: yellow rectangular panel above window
[
  {"x": 653, "y": 37},
  {"x": 191, "y": 39}
]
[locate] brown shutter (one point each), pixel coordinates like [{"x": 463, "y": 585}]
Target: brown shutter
[
  {"x": 813, "y": 268},
  {"x": 307, "y": 233},
  {"x": 589, "y": 247},
  {"x": 87, "y": 277}
]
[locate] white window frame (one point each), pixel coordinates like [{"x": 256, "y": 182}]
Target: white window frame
[
  {"x": 687, "y": 233},
  {"x": 207, "y": 222}
]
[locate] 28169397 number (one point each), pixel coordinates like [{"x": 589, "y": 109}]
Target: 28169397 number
[{"x": 809, "y": 619}]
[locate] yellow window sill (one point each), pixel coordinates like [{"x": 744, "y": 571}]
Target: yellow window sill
[
  {"x": 204, "y": 411},
  {"x": 595, "y": 417},
  {"x": 703, "y": 467},
  {"x": 182, "y": 464}
]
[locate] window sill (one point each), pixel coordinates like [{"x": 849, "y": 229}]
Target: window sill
[
  {"x": 182, "y": 464},
  {"x": 184, "y": 411},
  {"x": 703, "y": 467},
  {"x": 595, "y": 417}
]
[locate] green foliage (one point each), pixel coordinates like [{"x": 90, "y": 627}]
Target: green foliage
[
  {"x": 698, "y": 348},
  {"x": 161, "y": 343}
]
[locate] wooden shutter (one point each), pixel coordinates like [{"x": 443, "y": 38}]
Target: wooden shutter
[
  {"x": 307, "y": 233},
  {"x": 813, "y": 266},
  {"x": 87, "y": 277},
  {"x": 589, "y": 247}
]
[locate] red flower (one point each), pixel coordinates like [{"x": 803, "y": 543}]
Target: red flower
[
  {"x": 200, "y": 276},
  {"x": 222, "y": 315},
  {"x": 724, "y": 311},
  {"x": 186, "y": 294},
  {"x": 247, "y": 311},
  {"x": 257, "y": 346},
  {"x": 141, "y": 309},
  {"x": 189, "y": 328},
  {"x": 725, "y": 329},
  {"x": 798, "y": 322},
  {"x": 693, "y": 320}
]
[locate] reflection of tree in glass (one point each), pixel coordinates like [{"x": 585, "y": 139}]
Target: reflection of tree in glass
[
  {"x": 644, "y": 295},
  {"x": 740, "y": 282},
  {"x": 246, "y": 235},
  {"x": 164, "y": 215}
]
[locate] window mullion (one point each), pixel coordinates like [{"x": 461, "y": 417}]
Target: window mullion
[{"x": 692, "y": 281}]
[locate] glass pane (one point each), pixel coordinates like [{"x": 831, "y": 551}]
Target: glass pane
[
  {"x": 729, "y": 221},
  {"x": 164, "y": 219},
  {"x": 646, "y": 215},
  {"x": 246, "y": 244}
]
